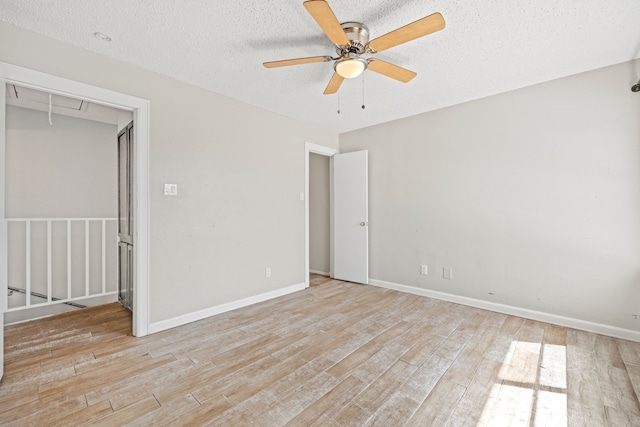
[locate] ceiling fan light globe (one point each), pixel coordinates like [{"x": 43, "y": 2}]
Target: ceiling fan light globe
[{"x": 350, "y": 68}]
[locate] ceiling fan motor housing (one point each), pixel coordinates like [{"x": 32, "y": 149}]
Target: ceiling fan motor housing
[{"x": 358, "y": 35}]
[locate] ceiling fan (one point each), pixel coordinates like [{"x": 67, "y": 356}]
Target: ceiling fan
[{"x": 352, "y": 42}]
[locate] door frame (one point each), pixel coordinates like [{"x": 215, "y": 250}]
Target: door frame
[
  {"x": 329, "y": 152},
  {"x": 26, "y": 77},
  {"x": 3, "y": 227}
]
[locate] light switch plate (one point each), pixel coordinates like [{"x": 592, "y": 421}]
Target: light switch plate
[{"x": 171, "y": 189}]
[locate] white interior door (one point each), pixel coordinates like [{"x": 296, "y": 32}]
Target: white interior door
[{"x": 351, "y": 217}]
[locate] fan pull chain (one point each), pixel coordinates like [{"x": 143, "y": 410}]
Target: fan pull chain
[
  {"x": 338, "y": 102},
  {"x": 363, "y": 91}
]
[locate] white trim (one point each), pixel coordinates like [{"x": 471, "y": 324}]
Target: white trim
[
  {"x": 310, "y": 147},
  {"x": 222, "y": 308},
  {"x": 322, "y": 273},
  {"x": 569, "y": 322},
  {"x": 4, "y": 263},
  {"x": 141, "y": 223},
  {"x": 25, "y": 77}
]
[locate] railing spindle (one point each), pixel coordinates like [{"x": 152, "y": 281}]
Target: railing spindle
[
  {"x": 49, "y": 260},
  {"x": 86, "y": 257},
  {"x": 104, "y": 256},
  {"x": 68, "y": 258},
  {"x": 28, "y": 262}
]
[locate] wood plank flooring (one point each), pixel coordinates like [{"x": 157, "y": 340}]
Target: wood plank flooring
[{"x": 336, "y": 354}]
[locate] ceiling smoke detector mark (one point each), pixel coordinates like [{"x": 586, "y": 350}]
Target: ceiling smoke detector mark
[{"x": 102, "y": 36}]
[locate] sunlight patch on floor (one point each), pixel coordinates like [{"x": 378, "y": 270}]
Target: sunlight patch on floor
[
  {"x": 553, "y": 371},
  {"x": 531, "y": 387},
  {"x": 551, "y": 409}
]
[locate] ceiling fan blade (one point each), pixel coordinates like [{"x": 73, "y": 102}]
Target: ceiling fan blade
[
  {"x": 322, "y": 13},
  {"x": 296, "y": 61},
  {"x": 390, "y": 70},
  {"x": 421, "y": 27},
  {"x": 334, "y": 84}
]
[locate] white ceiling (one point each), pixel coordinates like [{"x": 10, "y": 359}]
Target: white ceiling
[{"x": 488, "y": 47}]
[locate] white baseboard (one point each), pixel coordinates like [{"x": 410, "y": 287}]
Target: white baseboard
[
  {"x": 222, "y": 308},
  {"x": 585, "y": 325},
  {"x": 322, "y": 273}
]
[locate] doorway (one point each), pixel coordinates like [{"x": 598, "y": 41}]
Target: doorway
[
  {"x": 319, "y": 214},
  {"x": 348, "y": 214},
  {"x": 25, "y": 77},
  {"x": 60, "y": 202},
  {"x": 314, "y": 149}
]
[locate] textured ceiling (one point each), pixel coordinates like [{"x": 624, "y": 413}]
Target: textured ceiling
[{"x": 487, "y": 47}]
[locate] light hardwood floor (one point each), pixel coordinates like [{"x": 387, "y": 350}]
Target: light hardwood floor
[{"x": 335, "y": 354}]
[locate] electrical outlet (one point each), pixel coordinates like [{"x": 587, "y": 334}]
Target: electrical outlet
[
  {"x": 447, "y": 273},
  {"x": 267, "y": 272},
  {"x": 423, "y": 270}
]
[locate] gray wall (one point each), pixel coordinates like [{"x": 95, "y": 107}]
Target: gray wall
[
  {"x": 532, "y": 197},
  {"x": 319, "y": 204},
  {"x": 65, "y": 170},
  {"x": 239, "y": 170}
]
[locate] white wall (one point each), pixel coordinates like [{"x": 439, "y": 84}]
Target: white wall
[
  {"x": 239, "y": 171},
  {"x": 532, "y": 197},
  {"x": 319, "y": 204},
  {"x": 68, "y": 170}
]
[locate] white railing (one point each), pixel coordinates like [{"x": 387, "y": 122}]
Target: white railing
[{"x": 69, "y": 290}]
